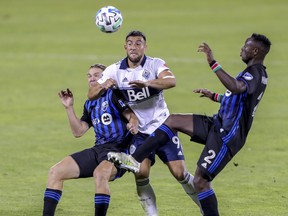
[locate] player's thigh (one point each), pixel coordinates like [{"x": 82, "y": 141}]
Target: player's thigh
[
  {"x": 181, "y": 122},
  {"x": 65, "y": 169},
  {"x": 105, "y": 171},
  {"x": 177, "y": 169}
]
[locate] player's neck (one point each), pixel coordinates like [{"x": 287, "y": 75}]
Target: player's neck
[
  {"x": 255, "y": 61},
  {"x": 133, "y": 65}
]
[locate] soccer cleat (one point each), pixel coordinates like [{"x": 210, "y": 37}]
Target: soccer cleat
[{"x": 124, "y": 161}]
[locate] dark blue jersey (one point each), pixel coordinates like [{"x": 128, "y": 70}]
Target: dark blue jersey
[
  {"x": 105, "y": 115},
  {"x": 238, "y": 110}
]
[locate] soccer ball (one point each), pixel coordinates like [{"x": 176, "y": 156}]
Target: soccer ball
[{"x": 108, "y": 19}]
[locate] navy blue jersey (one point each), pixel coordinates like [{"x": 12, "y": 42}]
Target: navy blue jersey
[
  {"x": 236, "y": 108},
  {"x": 104, "y": 114}
]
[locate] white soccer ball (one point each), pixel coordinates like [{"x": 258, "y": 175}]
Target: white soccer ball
[{"x": 108, "y": 19}]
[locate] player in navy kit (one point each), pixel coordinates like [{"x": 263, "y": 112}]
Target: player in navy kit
[
  {"x": 113, "y": 124},
  {"x": 224, "y": 133}
]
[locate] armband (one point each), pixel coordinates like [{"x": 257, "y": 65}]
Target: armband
[
  {"x": 215, "y": 66},
  {"x": 217, "y": 97}
]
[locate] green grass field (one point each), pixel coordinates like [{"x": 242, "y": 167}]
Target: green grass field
[{"x": 46, "y": 46}]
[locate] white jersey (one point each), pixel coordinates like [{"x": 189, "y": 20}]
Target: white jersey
[{"x": 147, "y": 103}]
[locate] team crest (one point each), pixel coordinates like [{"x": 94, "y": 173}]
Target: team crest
[
  {"x": 104, "y": 106},
  {"x": 146, "y": 74},
  {"x": 132, "y": 149}
]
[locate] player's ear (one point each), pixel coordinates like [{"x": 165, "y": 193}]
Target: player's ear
[{"x": 255, "y": 51}]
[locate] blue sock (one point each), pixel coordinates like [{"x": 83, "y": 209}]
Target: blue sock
[
  {"x": 101, "y": 204},
  {"x": 209, "y": 203},
  {"x": 51, "y": 199}
]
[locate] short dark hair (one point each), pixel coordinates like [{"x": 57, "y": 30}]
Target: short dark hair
[
  {"x": 136, "y": 33},
  {"x": 100, "y": 66},
  {"x": 263, "y": 40}
]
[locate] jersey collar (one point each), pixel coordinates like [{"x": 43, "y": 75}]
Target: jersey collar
[{"x": 124, "y": 63}]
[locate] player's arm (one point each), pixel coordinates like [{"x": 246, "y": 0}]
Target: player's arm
[
  {"x": 232, "y": 84},
  {"x": 78, "y": 127},
  {"x": 98, "y": 89},
  {"x": 209, "y": 94},
  {"x": 133, "y": 122},
  {"x": 165, "y": 80}
]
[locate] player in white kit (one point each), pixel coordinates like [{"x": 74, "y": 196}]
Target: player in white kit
[{"x": 142, "y": 80}]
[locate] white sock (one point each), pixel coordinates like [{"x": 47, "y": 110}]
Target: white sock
[
  {"x": 146, "y": 197},
  {"x": 188, "y": 186}
]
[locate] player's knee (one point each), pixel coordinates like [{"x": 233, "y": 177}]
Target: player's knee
[
  {"x": 54, "y": 173},
  {"x": 101, "y": 176},
  {"x": 178, "y": 173},
  {"x": 200, "y": 184}
]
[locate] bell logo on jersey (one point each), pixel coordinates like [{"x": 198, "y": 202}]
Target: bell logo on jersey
[{"x": 134, "y": 95}]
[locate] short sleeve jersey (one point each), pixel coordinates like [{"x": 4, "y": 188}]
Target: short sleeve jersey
[
  {"x": 236, "y": 108},
  {"x": 147, "y": 103},
  {"x": 104, "y": 114}
]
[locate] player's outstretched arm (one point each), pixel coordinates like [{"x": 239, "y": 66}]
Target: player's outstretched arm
[
  {"x": 78, "y": 127},
  {"x": 209, "y": 94},
  {"x": 232, "y": 84}
]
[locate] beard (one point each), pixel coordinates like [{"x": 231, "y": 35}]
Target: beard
[{"x": 134, "y": 60}]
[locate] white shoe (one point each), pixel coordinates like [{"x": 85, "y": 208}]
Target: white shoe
[{"x": 124, "y": 161}]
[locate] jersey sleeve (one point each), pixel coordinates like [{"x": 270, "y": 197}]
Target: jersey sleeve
[
  {"x": 251, "y": 78},
  {"x": 160, "y": 65},
  {"x": 86, "y": 115},
  {"x": 118, "y": 101},
  {"x": 109, "y": 72}
]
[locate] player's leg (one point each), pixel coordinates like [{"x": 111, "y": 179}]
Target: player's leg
[
  {"x": 65, "y": 169},
  {"x": 181, "y": 174},
  {"x": 103, "y": 173},
  {"x": 144, "y": 189},
  {"x": 205, "y": 193},
  {"x": 175, "y": 122},
  {"x": 163, "y": 134},
  {"x": 172, "y": 155},
  {"x": 212, "y": 160}
]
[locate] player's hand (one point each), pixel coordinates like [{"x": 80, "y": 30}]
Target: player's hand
[
  {"x": 204, "y": 92},
  {"x": 132, "y": 127},
  {"x": 138, "y": 84},
  {"x": 204, "y": 47},
  {"x": 66, "y": 97},
  {"x": 109, "y": 83}
]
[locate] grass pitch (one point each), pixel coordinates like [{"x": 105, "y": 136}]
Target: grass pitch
[{"x": 46, "y": 46}]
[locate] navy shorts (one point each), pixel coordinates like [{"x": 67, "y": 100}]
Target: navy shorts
[
  {"x": 216, "y": 153},
  {"x": 90, "y": 158},
  {"x": 171, "y": 151}
]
